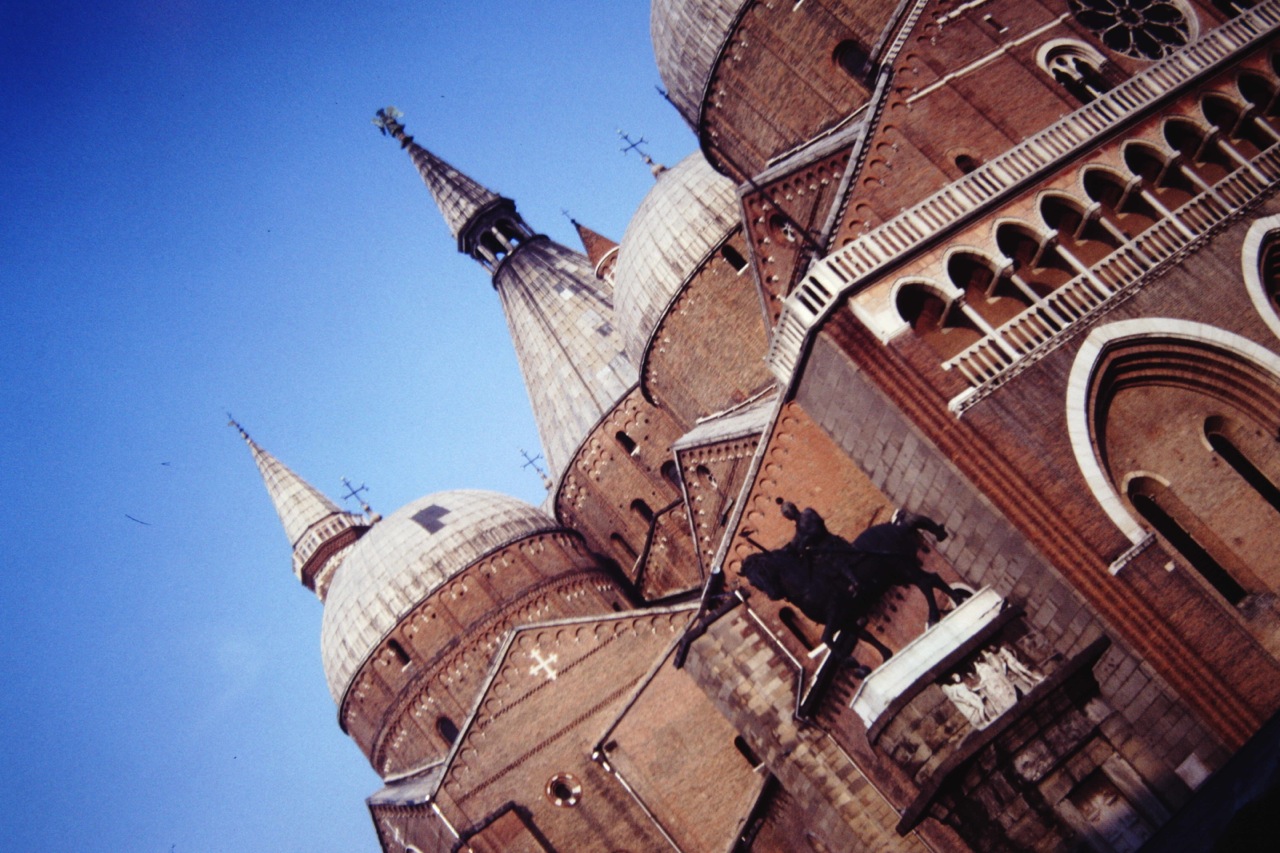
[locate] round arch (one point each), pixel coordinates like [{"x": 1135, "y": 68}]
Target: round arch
[
  {"x": 1254, "y": 369},
  {"x": 1261, "y": 239}
]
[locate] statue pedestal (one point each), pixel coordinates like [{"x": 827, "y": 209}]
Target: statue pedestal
[{"x": 919, "y": 663}]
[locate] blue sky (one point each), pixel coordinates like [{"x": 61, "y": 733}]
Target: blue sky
[{"x": 196, "y": 216}]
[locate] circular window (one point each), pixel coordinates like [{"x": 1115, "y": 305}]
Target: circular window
[
  {"x": 1143, "y": 29},
  {"x": 564, "y": 790}
]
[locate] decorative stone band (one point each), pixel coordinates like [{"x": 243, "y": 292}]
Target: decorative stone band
[
  {"x": 998, "y": 179},
  {"x": 919, "y": 663}
]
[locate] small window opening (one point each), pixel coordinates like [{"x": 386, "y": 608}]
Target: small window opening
[
  {"x": 669, "y": 471},
  {"x": 447, "y": 729},
  {"x": 853, "y": 59},
  {"x": 1188, "y": 546},
  {"x": 398, "y": 650},
  {"x": 966, "y": 163},
  {"x": 643, "y": 510},
  {"x": 792, "y": 623},
  {"x": 734, "y": 257},
  {"x": 994, "y": 24},
  {"x": 628, "y": 443},
  {"x": 745, "y": 750},
  {"x": 623, "y": 544},
  {"x": 1243, "y": 466}
]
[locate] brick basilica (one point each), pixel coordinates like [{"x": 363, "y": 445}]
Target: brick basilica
[{"x": 1012, "y": 265}]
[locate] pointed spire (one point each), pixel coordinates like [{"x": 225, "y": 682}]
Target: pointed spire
[
  {"x": 484, "y": 223},
  {"x": 317, "y": 529},
  {"x": 559, "y": 313},
  {"x": 601, "y": 251}
]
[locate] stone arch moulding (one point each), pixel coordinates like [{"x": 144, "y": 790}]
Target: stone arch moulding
[
  {"x": 1083, "y": 376},
  {"x": 1256, "y": 239}
]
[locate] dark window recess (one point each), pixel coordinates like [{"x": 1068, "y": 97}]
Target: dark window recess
[
  {"x": 853, "y": 59},
  {"x": 1189, "y": 548},
  {"x": 643, "y": 510},
  {"x": 966, "y": 164},
  {"x": 398, "y": 650},
  {"x": 669, "y": 471},
  {"x": 788, "y": 617},
  {"x": 1245, "y": 468},
  {"x": 447, "y": 729},
  {"x": 746, "y": 751},
  {"x": 627, "y": 442},
  {"x": 429, "y": 518},
  {"x": 623, "y": 544},
  {"x": 734, "y": 257}
]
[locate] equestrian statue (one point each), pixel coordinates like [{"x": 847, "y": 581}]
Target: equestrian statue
[{"x": 838, "y": 583}]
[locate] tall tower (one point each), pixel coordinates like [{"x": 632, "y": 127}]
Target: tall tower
[
  {"x": 319, "y": 531},
  {"x": 559, "y": 314}
]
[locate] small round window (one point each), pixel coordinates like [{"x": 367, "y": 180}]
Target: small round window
[
  {"x": 1143, "y": 29},
  {"x": 564, "y": 790}
]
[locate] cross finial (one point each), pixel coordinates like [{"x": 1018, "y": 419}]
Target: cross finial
[
  {"x": 355, "y": 492},
  {"x": 232, "y": 422},
  {"x": 387, "y": 120},
  {"x": 634, "y": 145},
  {"x": 533, "y": 462}
]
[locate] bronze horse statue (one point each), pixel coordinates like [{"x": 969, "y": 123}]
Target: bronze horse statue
[{"x": 838, "y": 583}]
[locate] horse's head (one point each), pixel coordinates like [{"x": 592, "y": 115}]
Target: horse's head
[{"x": 762, "y": 570}]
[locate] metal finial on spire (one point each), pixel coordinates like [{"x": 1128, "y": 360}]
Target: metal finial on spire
[
  {"x": 655, "y": 167},
  {"x": 232, "y": 422},
  {"x": 387, "y": 120},
  {"x": 532, "y": 462},
  {"x": 355, "y": 492}
]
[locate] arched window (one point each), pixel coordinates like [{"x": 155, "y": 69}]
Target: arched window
[
  {"x": 1232, "y": 442},
  {"x": 1123, "y": 207},
  {"x": 992, "y": 295},
  {"x": 1075, "y": 67},
  {"x": 670, "y": 472},
  {"x": 1175, "y": 523},
  {"x": 967, "y": 163},
  {"x": 789, "y": 619},
  {"x": 1260, "y": 268},
  {"x": 734, "y": 257},
  {"x": 944, "y": 327},
  {"x": 627, "y": 443},
  {"x": 447, "y": 729},
  {"x": 401, "y": 656},
  {"x": 1259, "y": 92},
  {"x": 617, "y": 539},
  {"x": 1239, "y": 129},
  {"x": 1151, "y": 393},
  {"x": 1085, "y": 236},
  {"x": 853, "y": 59},
  {"x": 642, "y": 509},
  {"x": 1199, "y": 149},
  {"x": 1036, "y": 262},
  {"x": 1160, "y": 178}
]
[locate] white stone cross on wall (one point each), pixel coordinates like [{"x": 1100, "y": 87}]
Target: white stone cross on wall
[{"x": 543, "y": 665}]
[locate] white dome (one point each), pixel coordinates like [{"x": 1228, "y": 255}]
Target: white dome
[
  {"x": 406, "y": 557},
  {"x": 687, "y": 37},
  {"x": 690, "y": 210}
]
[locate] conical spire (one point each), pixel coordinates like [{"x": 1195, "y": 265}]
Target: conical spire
[
  {"x": 461, "y": 200},
  {"x": 559, "y": 315},
  {"x": 317, "y": 528},
  {"x": 601, "y": 251}
]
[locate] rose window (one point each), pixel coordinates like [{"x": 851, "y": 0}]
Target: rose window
[{"x": 1143, "y": 29}]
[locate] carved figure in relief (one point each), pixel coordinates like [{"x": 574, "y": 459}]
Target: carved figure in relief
[
  {"x": 970, "y": 704},
  {"x": 994, "y": 688},
  {"x": 838, "y": 583},
  {"x": 1019, "y": 674}
]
